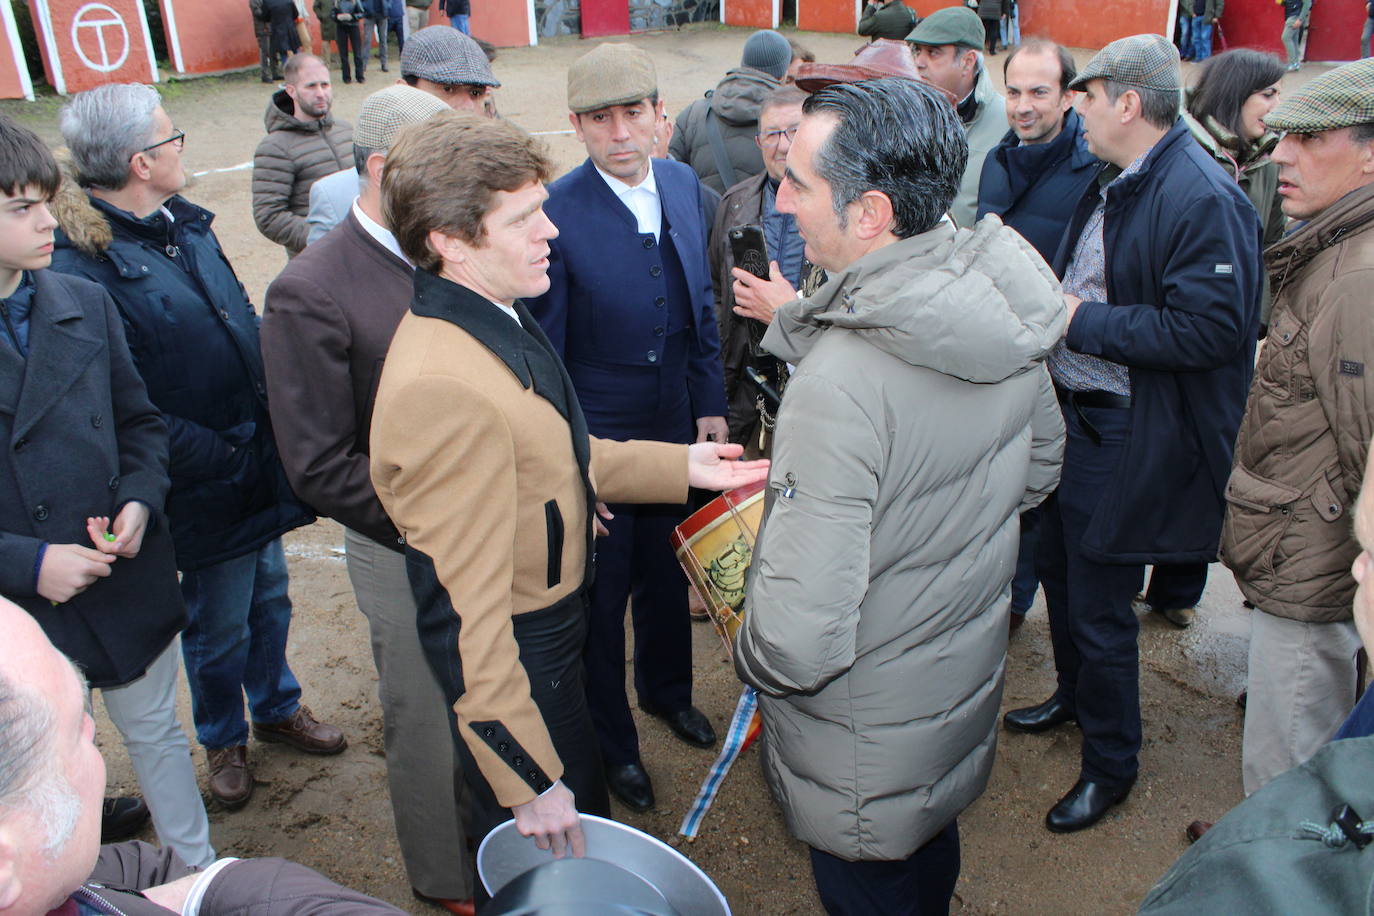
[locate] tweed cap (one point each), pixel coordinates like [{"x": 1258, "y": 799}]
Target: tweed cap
[
  {"x": 385, "y": 112},
  {"x": 614, "y": 73},
  {"x": 1343, "y": 97},
  {"x": 444, "y": 55},
  {"x": 1140, "y": 61},
  {"x": 953, "y": 25}
]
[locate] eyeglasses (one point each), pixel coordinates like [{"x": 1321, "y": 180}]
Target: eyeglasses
[
  {"x": 177, "y": 137},
  {"x": 774, "y": 136}
]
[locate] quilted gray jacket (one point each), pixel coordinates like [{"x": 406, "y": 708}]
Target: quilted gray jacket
[{"x": 919, "y": 422}]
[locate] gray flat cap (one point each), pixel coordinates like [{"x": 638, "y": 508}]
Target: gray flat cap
[
  {"x": 444, "y": 55},
  {"x": 1140, "y": 61}
]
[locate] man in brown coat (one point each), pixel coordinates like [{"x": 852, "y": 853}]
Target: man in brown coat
[
  {"x": 304, "y": 143},
  {"x": 1301, "y": 451},
  {"x": 326, "y": 328}
]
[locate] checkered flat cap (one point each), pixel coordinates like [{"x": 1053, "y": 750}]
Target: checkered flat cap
[
  {"x": 444, "y": 55},
  {"x": 385, "y": 112},
  {"x": 1343, "y": 97},
  {"x": 1139, "y": 61}
]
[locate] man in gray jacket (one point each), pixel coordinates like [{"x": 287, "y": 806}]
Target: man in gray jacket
[{"x": 919, "y": 421}]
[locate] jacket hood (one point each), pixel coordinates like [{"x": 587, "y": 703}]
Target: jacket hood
[
  {"x": 280, "y": 116},
  {"x": 1353, "y": 213},
  {"x": 977, "y": 304},
  {"x": 737, "y": 98},
  {"x": 81, "y": 225}
]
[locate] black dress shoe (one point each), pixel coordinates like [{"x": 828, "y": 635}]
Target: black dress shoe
[
  {"x": 689, "y": 724},
  {"x": 122, "y": 818},
  {"x": 1085, "y": 805},
  {"x": 630, "y": 783},
  {"x": 1042, "y": 718}
]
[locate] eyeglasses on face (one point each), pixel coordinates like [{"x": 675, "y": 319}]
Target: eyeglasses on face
[
  {"x": 178, "y": 137},
  {"x": 772, "y": 137}
]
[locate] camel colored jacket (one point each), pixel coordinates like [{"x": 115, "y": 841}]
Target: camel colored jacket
[
  {"x": 477, "y": 459},
  {"x": 1301, "y": 449}
]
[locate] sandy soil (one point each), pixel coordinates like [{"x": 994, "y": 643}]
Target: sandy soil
[{"x": 333, "y": 813}]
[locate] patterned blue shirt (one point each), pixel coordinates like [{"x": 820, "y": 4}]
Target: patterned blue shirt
[{"x": 1086, "y": 278}]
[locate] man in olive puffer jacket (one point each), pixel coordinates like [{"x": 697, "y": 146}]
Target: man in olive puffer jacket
[{"x": 919, "y": 422}]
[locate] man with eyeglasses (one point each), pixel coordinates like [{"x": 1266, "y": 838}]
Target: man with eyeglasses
[
  {"x": 193, "y": 335},
  {"x": 753, "y": 202}
]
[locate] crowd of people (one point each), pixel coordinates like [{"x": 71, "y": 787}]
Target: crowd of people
[{"x": 981, "y": 345}]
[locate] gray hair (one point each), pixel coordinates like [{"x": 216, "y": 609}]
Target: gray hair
[
  {"x": 896, "y": 136},
  {"x": 104, "y": 127},
  {"x": 29, "y": 778},
  {"x": 1159, "y": 107}
]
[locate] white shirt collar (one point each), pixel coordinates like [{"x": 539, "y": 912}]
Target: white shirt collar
[
  {"x": 620, "y": 188},
  {"x": 379, "y": 232}
]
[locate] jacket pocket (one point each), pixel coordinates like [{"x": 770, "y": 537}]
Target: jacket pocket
[
  {"x": 1259, "y": 511},
  {"x": 553, "y": 521}
]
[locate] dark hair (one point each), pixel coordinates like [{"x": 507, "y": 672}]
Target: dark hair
[
  {"x": 1226, "y": 80},
  {"x": 1362, "y": 133},
  {"x": 1159, "y": 107},
  {"x": 897, "y": 136},
  {"x": 801, "y": 51},
  {"x": 1067, "y": 68},
  {"x": 25, "y": 161},
  {"x": 443, "y": 172}
]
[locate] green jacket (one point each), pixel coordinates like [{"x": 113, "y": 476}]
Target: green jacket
[
  {"x": 984, "y": 132},
  {"x": 893, "y": 20}
]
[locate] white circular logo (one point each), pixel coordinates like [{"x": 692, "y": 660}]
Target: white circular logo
[{"x": 100, "y": 30}]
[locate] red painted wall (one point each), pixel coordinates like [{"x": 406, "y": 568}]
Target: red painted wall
[
  {"x": 506, "y": 23},
  {"x": 753, "y": 14},
  {"x": 1334, "y": 27},
  {"x": 1082, "y": 23},
  {"x": 826, "y": 15},
  {"x": 605, "y": 17},
  {"x": 96, "y": 42},
  {"x": 13, "y": 68}
]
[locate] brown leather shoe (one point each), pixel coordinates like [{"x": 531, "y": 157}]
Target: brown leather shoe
[
  {"x": 231, "y": 782},
  {"x": 302, "y": 732},
  {"x": 1196, "y": 829},
  {"x": 456, "y": 907}
]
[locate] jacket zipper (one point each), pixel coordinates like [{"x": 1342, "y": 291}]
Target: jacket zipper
[{"x": 99, "y": 902}]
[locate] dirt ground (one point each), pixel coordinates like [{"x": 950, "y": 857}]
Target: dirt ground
[{"x": 333, "y": 813}]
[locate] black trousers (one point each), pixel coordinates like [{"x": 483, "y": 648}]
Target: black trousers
[
  {"x": 1092, "y": 625},
  {"x": 1176, "y": 586},
  {"x": 922, "y": 884},
  {"x": 346, "y": 34}
]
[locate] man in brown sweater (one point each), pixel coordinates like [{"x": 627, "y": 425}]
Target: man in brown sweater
[{"x": 328, "y": 322}]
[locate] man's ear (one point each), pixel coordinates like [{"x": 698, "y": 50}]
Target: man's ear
[
  {"x": 875, "y": 215},
  {"x": 1128, "y": 107},
  {"x": 449, "y": 248},
  {"x": 11, "y": 885},
  {"x": 138, "y": 165},
  {"x": 375, "y": 163},
  {"x": 576, "y": 121}
]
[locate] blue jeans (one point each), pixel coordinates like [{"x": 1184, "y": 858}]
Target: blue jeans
[
  {"x": 1202, "y": 38},
  {"x": 236, "y": 642},
  {"x": 1185, "y": 36},
  {"x": 460, "y": 22}
]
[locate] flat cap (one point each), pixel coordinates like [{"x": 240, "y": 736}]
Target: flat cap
[
  {"x": 1343, "y": 97},
  {"x": 444, "y": 55},
  {"x": 953, "y": 25},
  {"x": 1139, "y": 61},
  {"x": 386, "y": 111},
  {"x": 610, "y": 74},
  {"x": 879, "y": 59}
]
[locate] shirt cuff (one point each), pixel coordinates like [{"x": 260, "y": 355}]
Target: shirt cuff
[{"x": 202, "y": 885}]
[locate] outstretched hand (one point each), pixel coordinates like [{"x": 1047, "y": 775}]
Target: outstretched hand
[{"x": 712, "y": 466}]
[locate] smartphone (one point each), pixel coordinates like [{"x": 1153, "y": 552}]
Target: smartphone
[{"x": 749, "y": 250}]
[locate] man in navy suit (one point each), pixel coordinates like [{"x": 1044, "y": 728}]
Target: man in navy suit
[{"x": 630, "y": 311}]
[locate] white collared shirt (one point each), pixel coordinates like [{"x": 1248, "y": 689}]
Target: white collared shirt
[
  {"x": 642, "y": 200},
  {"x": 379, "y": 232}
]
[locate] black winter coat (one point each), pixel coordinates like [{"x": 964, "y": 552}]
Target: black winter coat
[
  {"x": 194, "y": 336},
  {"x": 1032, "y": 187},
  {"x": 82, "y": 439},
  {"x": 1182, "y": 245}
]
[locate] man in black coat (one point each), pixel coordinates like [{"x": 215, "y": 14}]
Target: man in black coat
[
  {"x": 1161, "y": 274},
  {"x": 194, "y": 338},
  {"x": 84, "y": 446}
]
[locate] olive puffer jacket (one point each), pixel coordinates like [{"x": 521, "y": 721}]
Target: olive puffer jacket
[
  {"x": 292, "y": 156},
  {"x": 919, "y": 423},
  {"x": 735, "y": 104},
  {"x": 1301, "y": 450}
]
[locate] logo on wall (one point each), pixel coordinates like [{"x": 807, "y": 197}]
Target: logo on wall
[{"x": 100, "y": 37}]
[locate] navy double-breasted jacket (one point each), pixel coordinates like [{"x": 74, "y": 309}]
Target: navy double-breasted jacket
[{"x": 606, "y": 302}]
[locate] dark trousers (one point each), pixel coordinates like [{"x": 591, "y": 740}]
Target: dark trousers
[
  {"x": 992, "y": 32},
  {"x": 1176, "y": 586},
  {"x": 920, "y": 885},
  {"x": 1024, "y": 581},
  {"x": 1091, "y": 622},
  {"x": 347, "y": 35},
  {"x": 636, "y": 561}
]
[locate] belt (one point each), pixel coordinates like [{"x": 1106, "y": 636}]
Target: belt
[{"x": 1080, "y": 399}]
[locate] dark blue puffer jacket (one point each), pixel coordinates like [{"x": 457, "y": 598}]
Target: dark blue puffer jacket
[{"x": 194, "y": 338}]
